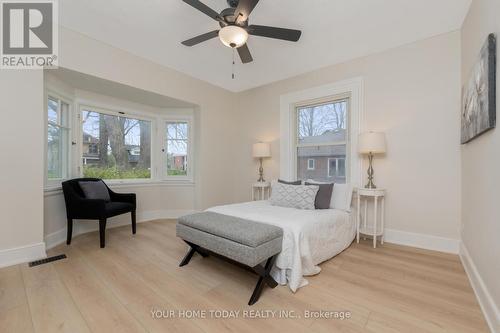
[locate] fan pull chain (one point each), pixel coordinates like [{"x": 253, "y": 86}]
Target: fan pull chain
[{"x": 233, "y": 65}]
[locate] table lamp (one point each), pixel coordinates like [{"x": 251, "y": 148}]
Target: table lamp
[
  {"x": 261, "y": 150},
  {"x": 371, "y": 143}
]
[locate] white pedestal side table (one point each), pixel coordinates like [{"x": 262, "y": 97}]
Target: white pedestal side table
[
  {"x": 261, "y": 191},
  {"x": 376, "y": 229}
]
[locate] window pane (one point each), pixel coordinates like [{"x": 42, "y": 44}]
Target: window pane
[
  {"x": 54, "y": 152},
  {"x": 53, "y": 105},
  {"x": 115, "y": 147},
  {"x": 177, "y": 148},
  {"x": 57, "y": 140},
  {"x": 329, "y": 163},
  {"x": 322, "y": 123}
]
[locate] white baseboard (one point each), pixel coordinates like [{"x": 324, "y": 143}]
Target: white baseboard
[
  {"x": 22, "y": 254},
  {"x": 59, "y": 237},
  {"x": 422, "y": 241},
  {"x": 490, "y": 310}
]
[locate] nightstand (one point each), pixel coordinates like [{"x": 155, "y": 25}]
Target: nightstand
[
  {"x": 261, "y": 191},
  {"x": 376, "y": 229}
]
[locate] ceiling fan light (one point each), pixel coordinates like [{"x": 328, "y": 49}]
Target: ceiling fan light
[{"x": 233, "y": 36}]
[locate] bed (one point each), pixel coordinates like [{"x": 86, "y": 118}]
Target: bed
[{"x": 310, "y": 237}]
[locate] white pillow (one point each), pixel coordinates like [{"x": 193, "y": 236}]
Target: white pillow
[
  {"x": 341, "y": 197},
  {"x": 293, "y": 196}
]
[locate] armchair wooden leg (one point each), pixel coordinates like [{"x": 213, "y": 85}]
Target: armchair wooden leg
[
  {"x": 102, "y": 232},
  {"x": 70, "y": 231},
  {"x": 134, "y": 224}
]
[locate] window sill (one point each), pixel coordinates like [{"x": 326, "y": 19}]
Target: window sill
[{"x": 116, "y": 184}]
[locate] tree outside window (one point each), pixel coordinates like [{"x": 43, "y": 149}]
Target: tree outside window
[{"x": 115, "y": 147}]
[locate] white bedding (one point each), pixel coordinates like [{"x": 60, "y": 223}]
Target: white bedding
[{"x": 309, "y": 236}]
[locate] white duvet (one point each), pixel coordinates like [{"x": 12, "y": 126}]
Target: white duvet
[{"x": 309, "y": 236}]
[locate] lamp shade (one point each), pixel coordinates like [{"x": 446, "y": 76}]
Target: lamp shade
[
  {"x": 371, "y": 142},
  {"x": 261, "y": 149}
]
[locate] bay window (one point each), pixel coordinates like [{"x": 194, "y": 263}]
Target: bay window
[{"x": 108, "y": 143}]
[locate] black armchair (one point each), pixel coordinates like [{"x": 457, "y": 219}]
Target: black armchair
[{"x": 78, "y": 207}]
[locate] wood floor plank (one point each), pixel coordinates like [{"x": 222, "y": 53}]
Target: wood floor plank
[
  {"x": 12, "y": 292},
  {"x": 16, "y": 320},
  {"x": 51, "y": 306},
  {"x": 99, "y": 307},
  {"x": 389, "y": 289}
]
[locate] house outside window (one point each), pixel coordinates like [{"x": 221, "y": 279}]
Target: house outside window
[
  {"x": 311, "y": 164},
  {"x": 336, "y": 168},
  {"x": 322, "y": 137}
]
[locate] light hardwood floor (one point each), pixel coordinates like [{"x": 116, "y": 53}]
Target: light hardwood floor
[{"x": 388, "y": 289}]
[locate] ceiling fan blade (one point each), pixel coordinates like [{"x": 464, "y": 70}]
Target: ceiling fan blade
[
  {"x": 244, "y": 9},
  {"x": 273, "y": 32},
  {"x": 205, "y": 9},
  {"x": 201, "y": 38},
  {"x": 244, "y": 53}
]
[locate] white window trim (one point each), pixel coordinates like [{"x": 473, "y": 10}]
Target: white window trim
[
  {"x": 189, "y": 119},
  {"x": 313, "y": 167},
  {"x": 288, "y": 103},
  {"x": 67, "y": 169}
]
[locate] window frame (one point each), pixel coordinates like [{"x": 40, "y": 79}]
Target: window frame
[
  {"x": 337, "y": 159},
  {"x": 117, "y": 112},
  {"x": 67, "y": 159},
  {"x": 313, "y": 167},
  {"x": 332, "y": 99},
  {"x": 189, "y": 119}
]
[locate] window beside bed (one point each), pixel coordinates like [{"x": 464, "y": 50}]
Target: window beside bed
[{"x": 322, "y": 136}]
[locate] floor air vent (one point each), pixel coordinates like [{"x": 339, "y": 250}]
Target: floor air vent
[{"x": 47, "y": 260}]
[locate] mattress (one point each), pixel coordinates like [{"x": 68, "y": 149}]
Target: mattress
[{"x": 310, "y": 237}]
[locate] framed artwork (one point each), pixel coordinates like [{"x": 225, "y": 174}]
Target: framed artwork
[{"x": 479, "y": 94}]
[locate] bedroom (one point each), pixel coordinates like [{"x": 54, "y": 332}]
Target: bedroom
[{"x": 437, "y": 269}]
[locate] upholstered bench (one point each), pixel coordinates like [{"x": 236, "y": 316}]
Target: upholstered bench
[{"x": 239, "y": 241}]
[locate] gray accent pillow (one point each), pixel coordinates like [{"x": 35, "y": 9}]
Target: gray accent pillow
[
  {"x": 324, "y": 196},
  {"x": 297, "y": 182},
  {"x": 293, "y": 196},
  {"x": 95, "y": 190}
]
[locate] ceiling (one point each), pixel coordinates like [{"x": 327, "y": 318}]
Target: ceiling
[{"x": 333, "y": 31}]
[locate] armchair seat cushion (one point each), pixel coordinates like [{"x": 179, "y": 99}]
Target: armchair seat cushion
[{"x": 117, "y": 208}]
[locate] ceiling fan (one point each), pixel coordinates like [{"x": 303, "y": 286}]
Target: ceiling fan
[{"x": 235, "y": 28}]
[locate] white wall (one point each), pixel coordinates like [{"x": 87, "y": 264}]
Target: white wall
[
  {"x": 480, "y": 177},
  {"x": 21, "y": 170},
  {"x": 413, "y": 94}
]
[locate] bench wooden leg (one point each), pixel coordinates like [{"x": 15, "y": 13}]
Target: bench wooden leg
[
  {"x": 264, "y": 276},
  {"x": 192, "y": 249},
  {"x": 188, "y": 257}
]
